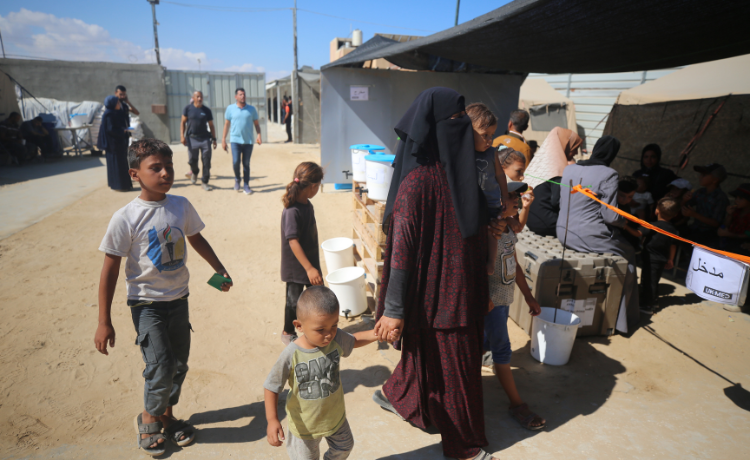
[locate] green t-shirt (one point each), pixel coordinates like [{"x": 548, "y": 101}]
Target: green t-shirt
[{"x": 315, "y": 403}]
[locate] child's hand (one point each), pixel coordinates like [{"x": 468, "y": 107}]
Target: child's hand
[
  {"x": 105, "y": 333},
  {"x": 225, "y": 286},
  {"x": 515, "y": 225},
  {"x": 669, "y": 265},
  {"x": 314, "y": 275},
  {"x": 534, "y": 308},
  {"x": 393, "y": 336},
  {"x": 528, "y": 197},
  {"x": 275, "y": 433},
  {"x": 497, "y": 227}
]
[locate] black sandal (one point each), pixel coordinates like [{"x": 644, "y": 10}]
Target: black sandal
[
  {"x": 178, "y": 429},
  {"x": 153, "y": 429}
]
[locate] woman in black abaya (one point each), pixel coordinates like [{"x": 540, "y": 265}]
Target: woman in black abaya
[{"x": 113, "y": 139}]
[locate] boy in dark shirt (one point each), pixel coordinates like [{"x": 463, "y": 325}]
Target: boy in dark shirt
[
  {"x": 708, "y": 206},
  {"x": 658, "y": 252}
]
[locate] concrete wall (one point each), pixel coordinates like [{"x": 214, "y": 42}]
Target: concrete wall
[
  {"x": 345, "y": 122},
  {"x": 93, "y": 81}
]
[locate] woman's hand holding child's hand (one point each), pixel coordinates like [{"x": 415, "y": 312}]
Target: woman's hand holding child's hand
[
  {"x": 314, "y": 275},
  {"x": 515, "y": 225},
  {"x": 275, "y": 433}
]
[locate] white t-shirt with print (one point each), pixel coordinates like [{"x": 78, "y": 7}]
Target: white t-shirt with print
[
  {"x": 643, "y": 199},
  {"x": 152, "y": 236}
]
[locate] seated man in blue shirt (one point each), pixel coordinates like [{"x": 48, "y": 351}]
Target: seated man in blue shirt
[{"x": 239, "y": 119}]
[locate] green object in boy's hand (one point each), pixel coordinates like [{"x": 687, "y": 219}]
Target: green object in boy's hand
[{"x": 217, "y": 280}]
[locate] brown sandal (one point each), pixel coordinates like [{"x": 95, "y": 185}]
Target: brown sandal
[{"x": 526, "y": 417}]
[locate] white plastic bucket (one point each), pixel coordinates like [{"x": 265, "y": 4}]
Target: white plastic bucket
[
  {"x": 338, "y": 253},
  {"x": 379, "y": 174},
  {"x": 349, "y": 286},
  {"x": 552, "y": 342},
  {"x": 359, "y": 152}
]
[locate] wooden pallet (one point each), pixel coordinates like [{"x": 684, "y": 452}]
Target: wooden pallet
[{"x": 368, "y": 236}]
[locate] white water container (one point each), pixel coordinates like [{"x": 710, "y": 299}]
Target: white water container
[
  {"x": 349, "y": 286},
  {"x": 552, "y": 338},
  {"x": 338, "y": 253},
  {"x": 379, "y": 174},
  {"x": 359, "y": 152}
]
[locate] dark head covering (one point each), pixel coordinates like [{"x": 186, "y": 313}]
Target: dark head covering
[
  {"x": 110, "y": 103},
  {"x": 604, "y": 153},
  {"x": 654, "y": 148},
  {"x": 428, "y": 135}
]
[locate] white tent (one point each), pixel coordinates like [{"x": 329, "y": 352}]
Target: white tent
[
  {"x": 547, "y": 109},
  {"x": 699, "y": 81},
  {"x": 673, "y": 111}
]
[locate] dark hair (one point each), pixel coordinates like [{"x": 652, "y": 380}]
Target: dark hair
[
  {"x": 305, "y": 175},
  {"x": 654, "y": 148},
  {"x": 481, "y": 115},
  {"x": 37, "y": 119},
  {"x": 668, "y": 208},
  {"x": 238, "y": 90},
  {"x": 14, "y": 114},
  {"x": 627, "y": 184},
  {"x": 145, "y": 148},
  {"x": 120, "y": 88},
  {"x": 520, "y": 119},
  {"x": 317, "y": 299},
  {"x": 508, "y": 156}
]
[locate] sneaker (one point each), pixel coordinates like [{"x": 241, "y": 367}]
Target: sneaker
[
  {"x": 248, "y": 190},
  {"x": 207, "y": 187},
  {"x": 189, "y": 174},
  {"x": 236, "y": 185},
  {"x": 193, "y": 179}
]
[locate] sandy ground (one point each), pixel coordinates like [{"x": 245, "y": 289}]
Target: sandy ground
[{"x": 671, "y": 390}]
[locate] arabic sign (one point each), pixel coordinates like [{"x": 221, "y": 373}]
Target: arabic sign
[
  {"x": 717, "y": 278},
  {"x": 359, "y": 93}
]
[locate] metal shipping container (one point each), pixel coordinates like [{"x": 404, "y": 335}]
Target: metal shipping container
[{"x": 218, "y": 92}]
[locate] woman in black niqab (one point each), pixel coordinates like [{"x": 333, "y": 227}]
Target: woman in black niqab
[
  {"x": 430, "y": 133},
  {"x": 434, "y": 284}
]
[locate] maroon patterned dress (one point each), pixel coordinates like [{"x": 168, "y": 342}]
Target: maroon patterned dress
[{"x": 438, "y": 380}]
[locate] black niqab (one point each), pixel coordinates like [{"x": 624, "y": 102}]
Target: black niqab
[
  {"x": 429, "y": 135},
  {"x": 605, "y": 151}
]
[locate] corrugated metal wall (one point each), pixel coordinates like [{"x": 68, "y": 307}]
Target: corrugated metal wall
[
  {"x": 218, "y": 92},
  {"x": 595, "y": 94}
]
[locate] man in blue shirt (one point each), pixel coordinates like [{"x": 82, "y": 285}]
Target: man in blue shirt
[{"x": 239, "y": 119}]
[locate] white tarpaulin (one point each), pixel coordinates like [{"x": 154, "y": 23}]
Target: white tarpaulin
[
  {"x": 67, "y": 114},
  {"x": 716, "y": 277}
]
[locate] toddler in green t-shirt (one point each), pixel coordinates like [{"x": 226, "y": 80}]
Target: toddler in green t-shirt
[{"x": 310, "y": 364}]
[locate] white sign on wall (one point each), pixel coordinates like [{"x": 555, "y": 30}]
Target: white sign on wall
[
  {"x": 717, "y": 278},
  {"x": 359, "y": 93}
]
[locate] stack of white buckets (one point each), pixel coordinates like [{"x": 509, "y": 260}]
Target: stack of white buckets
[{"x": 347, "y": 281}]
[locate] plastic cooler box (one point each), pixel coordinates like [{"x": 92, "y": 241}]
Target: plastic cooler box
[{"x": 591, "y": 285}]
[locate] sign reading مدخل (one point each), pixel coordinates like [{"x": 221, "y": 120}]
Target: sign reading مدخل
[{"x": 716, "y": 277}]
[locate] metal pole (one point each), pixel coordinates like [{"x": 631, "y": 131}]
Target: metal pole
[
  {"x": 295, "y": 88},
  {"x": 2, "y": 44},
  {"x": 156, "y": 36},
  {"x": 458, "y": 3},
  {"x": 565, "y": 242},
  {"x": 278, "y": 103}
]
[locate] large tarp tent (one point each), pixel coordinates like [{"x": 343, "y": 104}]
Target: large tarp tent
[
  {"x": 574, "y": 36},
  {"x": 671, "y": 110},
  {"x": 547, "y": 109}
]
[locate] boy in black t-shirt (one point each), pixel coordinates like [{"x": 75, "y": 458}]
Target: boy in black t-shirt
[{"x": 658, "y": 252}]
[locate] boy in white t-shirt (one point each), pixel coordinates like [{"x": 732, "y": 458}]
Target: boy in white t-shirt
[
  {"x": 644, "y": 208},
  {"x": 151, "y": 232}
]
